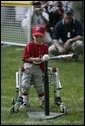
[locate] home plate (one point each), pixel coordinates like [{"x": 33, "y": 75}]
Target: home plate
[{"x": 41, "y": 115}]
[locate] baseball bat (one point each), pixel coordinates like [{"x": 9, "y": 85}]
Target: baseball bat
[{"x": 65, "y": 56}]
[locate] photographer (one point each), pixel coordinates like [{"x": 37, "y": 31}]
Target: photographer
[{"x": 40, "y": 16}]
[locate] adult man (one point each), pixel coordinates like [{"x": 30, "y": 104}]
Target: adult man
[
  {"x": 67, "y": 35},
  {"x": 40, "y": 16}
]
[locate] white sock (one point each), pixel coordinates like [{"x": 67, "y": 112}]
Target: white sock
[
  {"x": 25, "y": 99},
  {"x": 42, "y": 98}
]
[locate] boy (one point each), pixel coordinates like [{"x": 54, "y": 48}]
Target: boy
[{"x": 33, "y": 65}]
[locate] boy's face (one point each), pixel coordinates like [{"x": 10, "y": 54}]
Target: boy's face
[{"x": 38, "y": 38}]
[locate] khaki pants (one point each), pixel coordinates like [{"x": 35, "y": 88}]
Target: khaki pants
[{"x": 75, "y": 47}]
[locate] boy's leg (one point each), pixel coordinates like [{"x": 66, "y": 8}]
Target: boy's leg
[
  {"x": 25, "y": 89},
  {"x": 39, "y": 86},
  {"x": 23, "y": 96}
]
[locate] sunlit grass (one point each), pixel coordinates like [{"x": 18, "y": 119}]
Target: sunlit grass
[{"x": 72, "y": 92}]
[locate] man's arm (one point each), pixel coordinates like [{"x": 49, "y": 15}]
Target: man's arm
[
  {"x": 57, "y": 46},
  {"x": 72, "y": 40},
  {"x": 56, "y": 43},
  {"x": 45, "y": 17},
  {"x": 78, "y": 37}
]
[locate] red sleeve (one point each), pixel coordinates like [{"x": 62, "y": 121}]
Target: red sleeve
[
  {"x": 26, "y": 52},
  {"x": 46, "y": 49}
]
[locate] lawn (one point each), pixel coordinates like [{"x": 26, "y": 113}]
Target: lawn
[{"x": 72, "y": 92}]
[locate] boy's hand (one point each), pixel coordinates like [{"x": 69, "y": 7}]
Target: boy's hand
[
  {"x": 61, "y": 50},
  {"x": 37, "y": 60},
  {"x": 45, "y": 57}
]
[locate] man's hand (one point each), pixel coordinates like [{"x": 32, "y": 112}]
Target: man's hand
[
  {"x": 61, "y": 50},
  {"x": 68, "y": 43},
  {"x": 58, "y": 46}
]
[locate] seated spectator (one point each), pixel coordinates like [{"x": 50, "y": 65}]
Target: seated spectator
[{"x": 67, "y": 36}]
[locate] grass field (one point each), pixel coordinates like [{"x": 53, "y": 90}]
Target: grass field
[{"x": 72, "y": 93}]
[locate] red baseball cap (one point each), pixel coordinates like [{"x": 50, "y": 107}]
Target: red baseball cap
[{"x": 38, "y": 30}]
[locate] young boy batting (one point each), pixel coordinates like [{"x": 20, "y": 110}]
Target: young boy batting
[{"x": 33, "y": 65}]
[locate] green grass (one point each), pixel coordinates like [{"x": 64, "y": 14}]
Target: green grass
[{"x": 72, "y": 93}]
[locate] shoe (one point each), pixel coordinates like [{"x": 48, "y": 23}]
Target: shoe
[
  {"x": 75, "y": 57},
  {"x": 24, "y": 107},
  {"x": 15, "y": 107},
  {"x": 63, "y": 108},
  {"x": 16, "y": 104},
  {"x": 42, "y": 104},
  {"x": 58, "y": 100}
]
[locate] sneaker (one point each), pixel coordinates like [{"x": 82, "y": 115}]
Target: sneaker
[
  {"x": 42, "y": 105},
  {"x": 15, "y": 107},
  {"x": 58, "y": 100},
  {"x": 75, "y": 57},
  {"x": 24, "y": 106}
]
